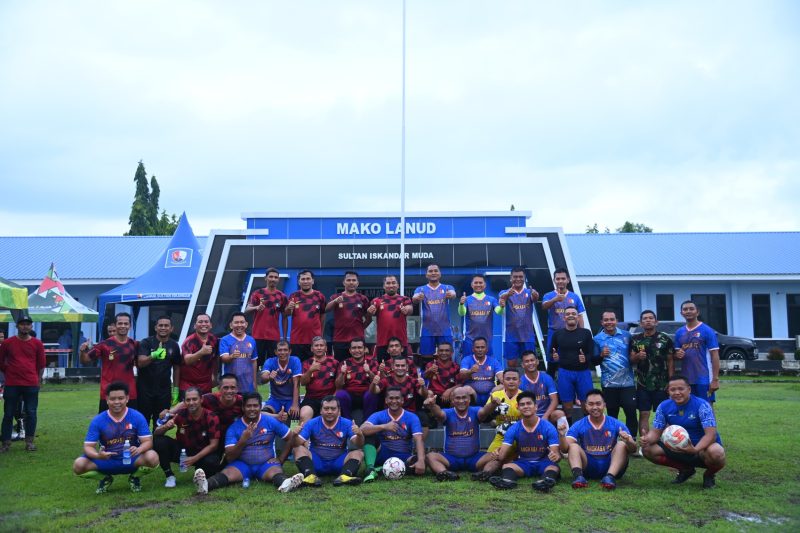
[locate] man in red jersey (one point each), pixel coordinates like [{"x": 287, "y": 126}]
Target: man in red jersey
[
  {"x": 353, "y": 379},
  {"x": 117, "y": 355},
  {"x": 390, "y": 312},
  {"x": 307, "y": 309},
  {"x": 200, "y": 357},
  {"x": 319, "y": 379},
  {"x": 350, "y": 316},
  {"x": 268, "y": 305}
]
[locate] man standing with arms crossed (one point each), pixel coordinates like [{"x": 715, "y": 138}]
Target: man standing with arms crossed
[
  {"x": 390, "y": 312},
  {"x": 517, "y": 304},
  {"x": 555, "y": 302},
  {"x": 697, "y": 349},
  {"x": 268, "y": 305},
  {"x": 435, "y": 312},
  {"x": 350, "y": 317},
  {"x": 307, "y": 309}
]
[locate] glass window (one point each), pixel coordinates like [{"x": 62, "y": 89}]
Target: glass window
[
  {"x": 597, "y": 303},
  {"x": 665, "y": 306},
  {"x": 713, "y": 311},
  {"x": 762, "y": 316},
  {"x": 793, "y": 313}
]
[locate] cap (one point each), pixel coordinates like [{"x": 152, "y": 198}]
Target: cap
[{"x": 24, "y": 318}]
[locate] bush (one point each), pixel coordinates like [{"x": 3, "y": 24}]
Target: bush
[
  {"x": 797, "y": 354},
  {"x": 776, "y": 354}
]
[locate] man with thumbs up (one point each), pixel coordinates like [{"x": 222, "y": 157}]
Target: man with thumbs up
[
  {"x": 283, "y": 374},
  {"x": 354, "y": 378},
  {"x": 478, "y": 312},
  {"x": 572, "y": 349}
]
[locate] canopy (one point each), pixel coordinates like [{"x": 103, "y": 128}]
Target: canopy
[
  {"x": 52, "y": 303},
  {"x": 12, "y": 296},
  {"x": 171, "y": 278}
]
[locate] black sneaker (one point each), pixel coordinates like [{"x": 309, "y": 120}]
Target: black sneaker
[
  {"x": 483, "y": 475},
  {"x": 104, "y": 485},
  {"x": 683, "y": 475},
  {"x": 134, "y": 483},
  {"x": 447, "y": 475},
  {"x": 502, "y": 483},
  {"x": 709, "y": 481},
  {"x": 544, "y": 484}
]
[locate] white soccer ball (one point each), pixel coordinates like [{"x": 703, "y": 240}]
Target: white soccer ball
[
  {"x": 394, "y": 468},
  {"x": 675, "y": 437}
]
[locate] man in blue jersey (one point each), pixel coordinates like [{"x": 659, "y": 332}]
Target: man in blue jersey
[
  {"x": 543, "y": 388},
  {"x": 478, "y": 312},
  {"x": 696, "y": 416},
  {"x": 555, "y": 302},
  {"x": 238, "y": 354},
  {"x": 112, "y": 429},
  {"x": 536, "y": 442},
  {"x": 516, "y": 304},
  {"x": 250, "y": 451},
  {"x": 399, "y": 434},
  {"x": 479, "y": 371},
  {"x": 612, "y": 350},
  {"x": 435, "y": 312},
  {"x": 597, "y": 446},
  {"x": 697, "y": 349},
  {"x": 462, "y": 438},
  {"x": 321, "y": 447},
  {"x": 283, "y": 373}
]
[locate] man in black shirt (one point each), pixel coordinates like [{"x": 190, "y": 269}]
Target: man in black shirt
[
  {"x": 572, "y": 349},
  {"x": 159, "y": 360}
]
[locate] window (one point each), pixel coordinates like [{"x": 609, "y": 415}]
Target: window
[
  {"x": 665, "y": 306},
  {"x": 793, "y": 313},
  {"x": 713, "y": 311},
  {"x": 762, "y": 316},
  {"x": 597, "y": 303}
]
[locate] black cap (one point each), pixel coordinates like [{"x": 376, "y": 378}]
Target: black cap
[{"x": 24, "y": 318}]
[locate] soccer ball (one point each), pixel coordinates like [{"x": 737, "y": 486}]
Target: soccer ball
[
  {"x": 394, "y": 468},
  {"x": 675, "y": 437}
]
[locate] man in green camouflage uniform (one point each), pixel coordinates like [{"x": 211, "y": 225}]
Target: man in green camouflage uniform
[{"x": 651, "y": 358}]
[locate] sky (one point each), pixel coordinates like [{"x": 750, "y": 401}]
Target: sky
[{"x": 680, "y": 115}]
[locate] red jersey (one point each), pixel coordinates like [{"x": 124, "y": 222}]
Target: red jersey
[
  {"x": 227, "y": 414},
  {"x": 446, "y": 378},
  {"x": 117, "y": 360},
  {"x": 306, "y": 324},
  {"x": 357, "y": 381},
  {"x": 349, "y": 317},
  {"x": 391, "y": 321},
  {"x": 323, "y": 381},
  {"x": 194, "y": 435},
  {"x": 266, "y": 323},
  {"x": 201, "y": 373},
  {"x": 22, "y": 361},
  {"x": 409, "y": 390}
]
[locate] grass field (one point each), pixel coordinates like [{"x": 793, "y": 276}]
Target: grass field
[{"x": 759, "y": 489}]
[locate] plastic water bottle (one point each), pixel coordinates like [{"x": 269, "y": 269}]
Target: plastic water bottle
[
  {"x": 183, "y": 466},
  {"x": 161, "y": 421},
  {"x": 126, "y": 452},
  {"x": 246, "y": 483}
]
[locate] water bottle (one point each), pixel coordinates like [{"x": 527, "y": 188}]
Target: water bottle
[
  {"x": 126, "y": 452},
  {"x": 183, "y": 466},
  {"x": 161, "y": 421},
  {"x": 245, "y": 482}
]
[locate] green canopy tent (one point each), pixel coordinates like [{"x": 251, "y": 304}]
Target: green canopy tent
[
  {"x": 12, "y": 296},
  {"x": 52, "y": 303}
]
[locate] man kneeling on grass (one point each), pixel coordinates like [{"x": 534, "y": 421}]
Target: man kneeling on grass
[
  {"x": 250, "y": 451},
  {"x": 597, "y": 445},
  {"x": 117, "y": 429}
]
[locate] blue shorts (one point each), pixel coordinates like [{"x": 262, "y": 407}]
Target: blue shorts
[
  {"x": 572, "y": 383},
  {"x": 463, "y": 463},
  {"x": 385, "y": 453},
  {"x": 534, "y": 468},
  {"x": 482, "y": 398},
  {"x": 113, "y": 467},
  {"x": 428, "y": 343},
  {"x": 328, "y": 467},
  {"x": 649, "y": 400},
  {"x": 597, "y": 467},
  {"x": 513, "y": 350},
  {"x": 253, "y": 471},
  {"x": 275, "y": 405},
  {"x": 701, "y": 391},
  {"x": 466, "y": 347}
]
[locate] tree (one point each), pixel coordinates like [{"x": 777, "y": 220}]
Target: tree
[
  {"x": 144, "y": 218},
  {"x": 634, "y": 227},
  {"x": 594, "y": 229}
]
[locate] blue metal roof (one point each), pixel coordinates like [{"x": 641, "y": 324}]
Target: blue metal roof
[{"x": 685, "y": 254}]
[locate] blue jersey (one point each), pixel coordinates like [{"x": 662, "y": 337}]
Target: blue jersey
[
  {"x": 596, "y": 441},
  {"x": 696, "y": 343},
  {"x": 462, "y": 434},
  {"x": 282, "y": 387},
  {"x": 261, "y": 446},
  {"x": 542, "y": 388},
  {"x": 328, "y": 443},
  {"x": 244, "y": 353},
  {"x": 479, "y": 319},
  {"x": 694, "y": 416},
  {"x": 112, "y": 433},
  {"x": 555, "y": 315},
  {"x": 400, "y": 441},
  {"x": 518, "y": 316},
  {"x": 482, "y": 380},
  {"x": 532, "y": 445},
  {"x": 435, "y": 310},
  {"x": 616, "y": 366}
]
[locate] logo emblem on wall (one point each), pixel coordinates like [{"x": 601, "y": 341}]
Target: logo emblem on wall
[{"x": 178, "y": 257}]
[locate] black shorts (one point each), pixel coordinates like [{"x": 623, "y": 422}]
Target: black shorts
[
  {"x": 341, "y": 350},
  {"x": 425, "y": 418},
  {"x": 265, "y": 349},
  {"x": 313, "y": 403},
  {"x": 303, "y": 351},
  {"x": 648, "y": 400},
  {"x": 689, "y": 459}
]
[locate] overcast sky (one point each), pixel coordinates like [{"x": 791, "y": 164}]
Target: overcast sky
[{"x": 683, "y": 116}]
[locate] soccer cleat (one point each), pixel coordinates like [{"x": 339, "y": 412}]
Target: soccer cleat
[
  {"x": 30, "y": 446},
  {"x": 104, "y": 485},
  {"x": 579, "y": 483},
  {"x": 683, "y": 475},
  {"x": 312, "y": 480},
  {"x": 502, "y": 483},
  {"x": 344, "y": 479},
  {"x": 371, "y": 476},
  {"x": 6, "y": 446},
  {"x": 544, "y": 484},
  {"x": 134, "y": 483},
  {"x": 608, "y": 482},
  {"x": 200, "y": 481},
  {"x": 291, "y": 483},
  {"x": 709, "y": 481},
  {"x": 483, "y": 475},
  {"x": 447, "y": 475},
  {"x": 170, "y": 482}
]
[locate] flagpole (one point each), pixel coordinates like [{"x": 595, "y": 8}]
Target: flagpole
[{"x": 403, "y": 166}]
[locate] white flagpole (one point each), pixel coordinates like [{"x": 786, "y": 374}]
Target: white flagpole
[{"x": 403, "y": 167}]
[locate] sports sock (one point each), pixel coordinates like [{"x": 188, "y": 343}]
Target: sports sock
[
  {"x": 92, "y": 474},
  {"x": 305, "y": 465},
  {"x": 350, "y": 467},
  {"x": 217, "y": 481},
  {"x": 711, "y": 470},
  {"x": 142, "y": 471},
  {"x": 277, "y": 479},
  {"x": 509, "y": 474},
  {"x": 577, "y": 472},
  {"x": 552, "y": 474},
  {"x": 168, "y": 473},
  {"x": 666, "y": 461},
  {"x": 370, "y": 454}
]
